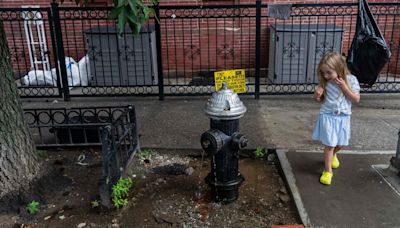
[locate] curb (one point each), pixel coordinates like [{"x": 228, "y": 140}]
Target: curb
[{"x": 291, "y": 183}]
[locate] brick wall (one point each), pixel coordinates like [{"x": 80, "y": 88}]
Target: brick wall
[{"x": 193, "y": 45}]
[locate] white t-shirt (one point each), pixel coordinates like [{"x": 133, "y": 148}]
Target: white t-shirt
[{"x": 335, "y": 101}]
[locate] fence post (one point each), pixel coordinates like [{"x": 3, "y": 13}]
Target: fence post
[
  {"x": 132, "y": 119},
  {"x": 395, "y": 161},
  {"x": 106, "y": 152},
  {"x": 258, "y": 49},
  {"x": 159, "y": 52},
  {"x": 60, "y": 49},
  {"x": 55, "y": 55}
]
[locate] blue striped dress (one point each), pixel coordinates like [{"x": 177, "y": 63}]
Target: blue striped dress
[{"x": 333, "y": 124}]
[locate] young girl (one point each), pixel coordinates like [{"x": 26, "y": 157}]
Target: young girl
[{"x": 337, "y": 89}]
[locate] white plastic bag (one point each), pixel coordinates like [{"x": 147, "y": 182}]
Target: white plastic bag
[
  {"x": 72, "y": 72},
  {"x": 84, "y": 70},
  {"x": 78, "y": 74},
  {"x": 40, "y": 77}
]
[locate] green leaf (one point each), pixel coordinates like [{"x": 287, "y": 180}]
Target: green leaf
[
  {"x": 135, "y": 27},
  {"x": 133, "y": 5},
  {"x": 122, "y": 17},
  {"x": 139, "y": 5},
  {"x": 33, "y": 207},
  {"x": 114, "y": 13},
  {"x": 143, "y": 19},
  {"x": 152, "y": 11},
  {"x": 120, "y": 192},
  {"x": 146, "y": 12},
  {"x": 132, "y": 17},
  {"x": 95, "y": 203},
  {"x": 122, "y": 3}
]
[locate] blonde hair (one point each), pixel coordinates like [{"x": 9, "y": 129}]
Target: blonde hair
[{"x": 336, "y": 62}]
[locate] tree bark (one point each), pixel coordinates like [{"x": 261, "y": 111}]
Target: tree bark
[{"x": 18, "y": 160}]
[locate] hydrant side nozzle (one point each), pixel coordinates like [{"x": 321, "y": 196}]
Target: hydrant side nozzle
[
  {"x": 239, "y": 141},
  {"x": 212, "y": 141}
]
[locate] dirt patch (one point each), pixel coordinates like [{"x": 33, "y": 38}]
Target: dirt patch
[{"x": 168, "y": 191}]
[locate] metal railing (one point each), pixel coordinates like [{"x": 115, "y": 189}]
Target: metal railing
[
  {"x": 60, "y": 127},
  {"x": 179, "y": 53},
  {"x": 30, "y": 37},
  {"x": 113, "y": 128},
  {"x": 120, "y": 142}
]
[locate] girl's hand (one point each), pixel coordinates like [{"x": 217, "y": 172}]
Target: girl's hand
[
  {"x": 340, "y": 82},
  {"x": 319, "y": 92},
  {"x": 354, "y": 97}
]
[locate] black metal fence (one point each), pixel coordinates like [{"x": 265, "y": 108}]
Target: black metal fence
[
  {"x": 114, "y": 128},
  {"x": 32, "y": 55},
  {"x": 56, "y": 127},
  {"x": 120, "y": 142},
  {"x": 75, "y": 51}
]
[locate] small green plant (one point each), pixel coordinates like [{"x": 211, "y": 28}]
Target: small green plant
[
  {"x": 33, "y": 207},
  {"x": 95, "y": 203},
  {"x": 120, "y": 192},
  {"x": 259, "y": 152},
  {"x": 146, "y": 154}
]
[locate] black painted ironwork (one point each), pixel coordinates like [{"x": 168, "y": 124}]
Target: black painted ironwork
[
  {"x": 159, "y": 55},
  {"x": 16, "y": 21},
  {"x": 60, "y": 50},
  {"x": 324, "y": 20},
  {"x": 258, "y": 47},
  {"x": 60, "y": 127},
  {"x": 112, "y": 128},
  {"x": 190, "y": 44},
  {"x": 120, "y": 142}
]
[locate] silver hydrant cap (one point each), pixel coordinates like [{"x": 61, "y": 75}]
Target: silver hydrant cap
[{"x": 225, "y": 105}]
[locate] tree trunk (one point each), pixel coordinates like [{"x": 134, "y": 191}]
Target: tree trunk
[{"x": 18, "y": 160}]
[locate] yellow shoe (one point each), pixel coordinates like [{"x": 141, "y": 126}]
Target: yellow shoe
[
  {"x": 326, "y": 178},
  {"x": 335, "y": 162}
]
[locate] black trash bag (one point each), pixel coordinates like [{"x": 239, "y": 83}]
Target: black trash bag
[{"x": 368, "y": 52}]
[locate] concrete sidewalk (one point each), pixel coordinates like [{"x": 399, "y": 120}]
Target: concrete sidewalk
[
  {"x": 286, "y": 121},
  {"x": 359, "y": 196}
]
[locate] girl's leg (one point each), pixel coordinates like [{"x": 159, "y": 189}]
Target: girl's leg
[
  {"x": 327, "y": 174},
  {"x": 337, "y": 148},
  {"x": 335, "y": 160},
  {"x": 328, "y": 154}
]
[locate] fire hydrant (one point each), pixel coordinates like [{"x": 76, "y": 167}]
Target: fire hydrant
[{"x": 223, "y": 142}]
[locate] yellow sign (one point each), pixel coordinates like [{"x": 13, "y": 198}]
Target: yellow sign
[{"x": 235, "y": 79}]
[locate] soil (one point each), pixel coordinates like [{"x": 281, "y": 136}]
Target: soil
[{"x": 159, "y": 197}]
